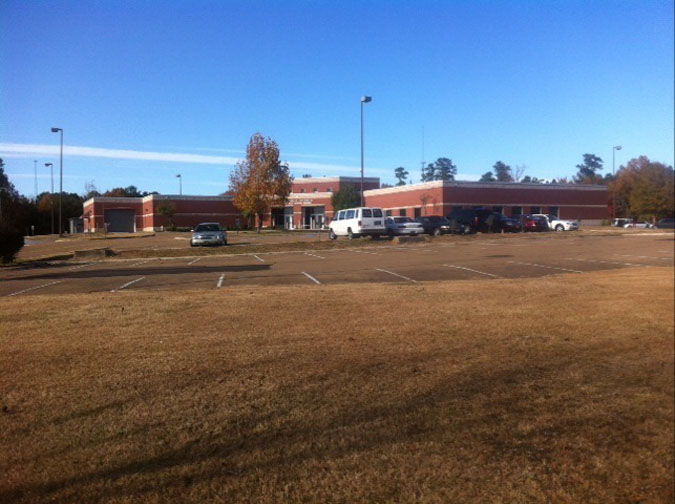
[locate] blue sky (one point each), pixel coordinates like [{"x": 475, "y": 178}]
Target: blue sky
[{"x": 148, "y": 89}]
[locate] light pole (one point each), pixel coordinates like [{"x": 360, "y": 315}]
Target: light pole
[
  {"x": 60, "y": 130},
  {"x": 364, "y": 99},
  {"x": 180, "y": 184},
  {"x": 51, "y": 195},
  {"x": 36, "y": 186},
  {"x": 614, "y": 149}
]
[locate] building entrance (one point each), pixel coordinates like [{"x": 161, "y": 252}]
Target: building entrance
[{"x": 313, "y": 217}]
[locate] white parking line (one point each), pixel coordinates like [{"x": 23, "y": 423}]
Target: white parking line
[
  {"x": 311, "y": 278},
  {"x": 469, "y": 269},
  {"x": 220, "y": 281},
  {"x": 80, "y": 266},
  {"x": 543, "y": 266},
  {"x": 194, "y": 260},
  {"x": 364, "y": 252},
  {"x": 314, "y": 255},
  {"x": 141, "y": 262},
  {"x": 605, "y": 262},
  {"x": 128, "y": 284},
  {"x": 258, "y": 258},
  {"x": 644, "y": 257},
  {"x": 34, "y": 288},
  {"x": 396, "y": 274}
]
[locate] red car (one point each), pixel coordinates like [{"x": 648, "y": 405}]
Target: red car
[{"x": 536, "y": 223}]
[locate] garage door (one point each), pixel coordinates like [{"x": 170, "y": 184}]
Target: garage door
[{"x": 120, "y": 221}]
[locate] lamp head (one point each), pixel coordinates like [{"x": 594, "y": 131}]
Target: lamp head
[
  {"x": 56, "y": 130},
  {"x": 366, "y": 99},
  {"x": 618, "y": 147},
  {"x": 49, "y": 164}
]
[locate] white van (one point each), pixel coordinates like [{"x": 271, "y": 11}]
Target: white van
[{"x": 356, "y": 222}]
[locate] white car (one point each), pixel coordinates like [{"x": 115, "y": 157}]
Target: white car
[
  {"x": 357, "y": 222},
  {"x": 403, "y": 226},
  {"x": 556, "y": 224},
  {"x": 639, "y": 225}
]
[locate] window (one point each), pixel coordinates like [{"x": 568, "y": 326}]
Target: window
[
  {"x": 377, "y": 212},
  {"x": 315, "y": 190},
  {"x": 302, "y": 190},
  {"x": 535, "y": 209},
  {"x": 418, "y": 212},
  {"x": 553, "y": 210},
  {"x": 388, "y": 213},
  {"x": 341, "y": 215},
  {"x": 516, "y": 211},
  {"x": 330, "y": 189},
  {"x": 367, "y": 212},
  {"x": 402, "y": 212},
  {"x": 498, "y": 209},
  {"x": 350, "y": 214}
]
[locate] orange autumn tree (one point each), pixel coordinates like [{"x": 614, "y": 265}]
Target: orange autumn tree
[{"x": 261, "y": 180}]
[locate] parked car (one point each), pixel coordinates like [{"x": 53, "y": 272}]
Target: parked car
[
  {"x": 667, "y": 223},
  {"x": 468, "y": 220},
  {"x": 535, "y": 223},
  {"x": 402, "y": 226},
  {"x": 434, "y": 224},
  {"x": 621, "y": 222},
  {"x": 208, "y": 233},
  {"x": 501, "y": 223},
  {"x": 638, "y": 225},
  {"x": 556, "y": 224},
  {"x": 357, "y": 222}
]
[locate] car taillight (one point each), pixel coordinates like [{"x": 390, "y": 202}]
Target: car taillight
[{"x": 475, "y": 221}]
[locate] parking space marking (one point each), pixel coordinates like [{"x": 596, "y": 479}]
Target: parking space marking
[
  {"x": 314, "y": 255},
  {"x": 141, "y": 262},
  {"x": 220, "y": 281},
  {"x": 469, "y": 269},
  {"x": 605, "y": 262},
  {"x": 80, "y": 266},
  {"x": 128, "y": 284},
  {"x": 311, "y": 278},
  {"x": 544, "y": 266},
  {"x": 34, "y": 288},
  {"x": 396, "y": 274},
  {"x": 194, "y": 260},
  {"x": 644, "y": 257},
  {"x": 258, "y": 258},
  {"x": 364, "y": 252}
]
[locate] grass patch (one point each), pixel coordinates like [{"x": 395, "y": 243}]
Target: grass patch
[{"x": 326, "y": 394}]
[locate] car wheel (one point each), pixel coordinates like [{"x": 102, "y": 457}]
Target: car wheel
[
  {"x": 350, "y": 235},
  {"x": 332, "y": 235},
  {"x": 560, "y": 227},
  {"x": 224, "y": 242},
  {"x": 437, "y": 232},
  {"x": 192, "y": 244}
]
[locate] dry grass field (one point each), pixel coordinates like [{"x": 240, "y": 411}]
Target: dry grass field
[{"x": 554, "y": 389}]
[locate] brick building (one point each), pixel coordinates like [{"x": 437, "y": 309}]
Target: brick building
[{"x": 309, "y": 205}]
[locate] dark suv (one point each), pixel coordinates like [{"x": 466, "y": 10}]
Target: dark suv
[
  {"x": 469, "y": 220},
  {"x": 434, "y": 224},
  {"x": 667, "y": 223}
]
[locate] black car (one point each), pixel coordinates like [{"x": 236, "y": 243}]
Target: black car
[
  {"x": 667, "y": 223},
  {"x": 469, "y": 220},
  {"x": 500, "y": 223},
  {"x": 434, "y": 224}
]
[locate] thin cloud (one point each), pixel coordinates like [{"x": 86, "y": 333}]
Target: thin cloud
[{"x": 29, "y": 150}]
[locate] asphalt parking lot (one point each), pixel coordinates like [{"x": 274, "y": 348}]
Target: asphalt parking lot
[{"x": 518, "y": 256}]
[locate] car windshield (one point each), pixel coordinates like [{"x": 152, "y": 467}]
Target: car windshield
[
  {"x": 401, "y": 220},
  {"x": 207, "y": 227}
]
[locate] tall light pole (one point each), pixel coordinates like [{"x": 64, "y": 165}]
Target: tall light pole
[
  {"x": 36, "y": 186},
  {"x": 180, "y": 184},
  {"x": 60, "y": 130},
  {"x": 614, "y": 149},
  {"x": 364, "y": 99},
  {"x": 51, "y": 195}
]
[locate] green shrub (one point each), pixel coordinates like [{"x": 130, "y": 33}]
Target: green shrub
[{"x": 11, "y": 241}]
